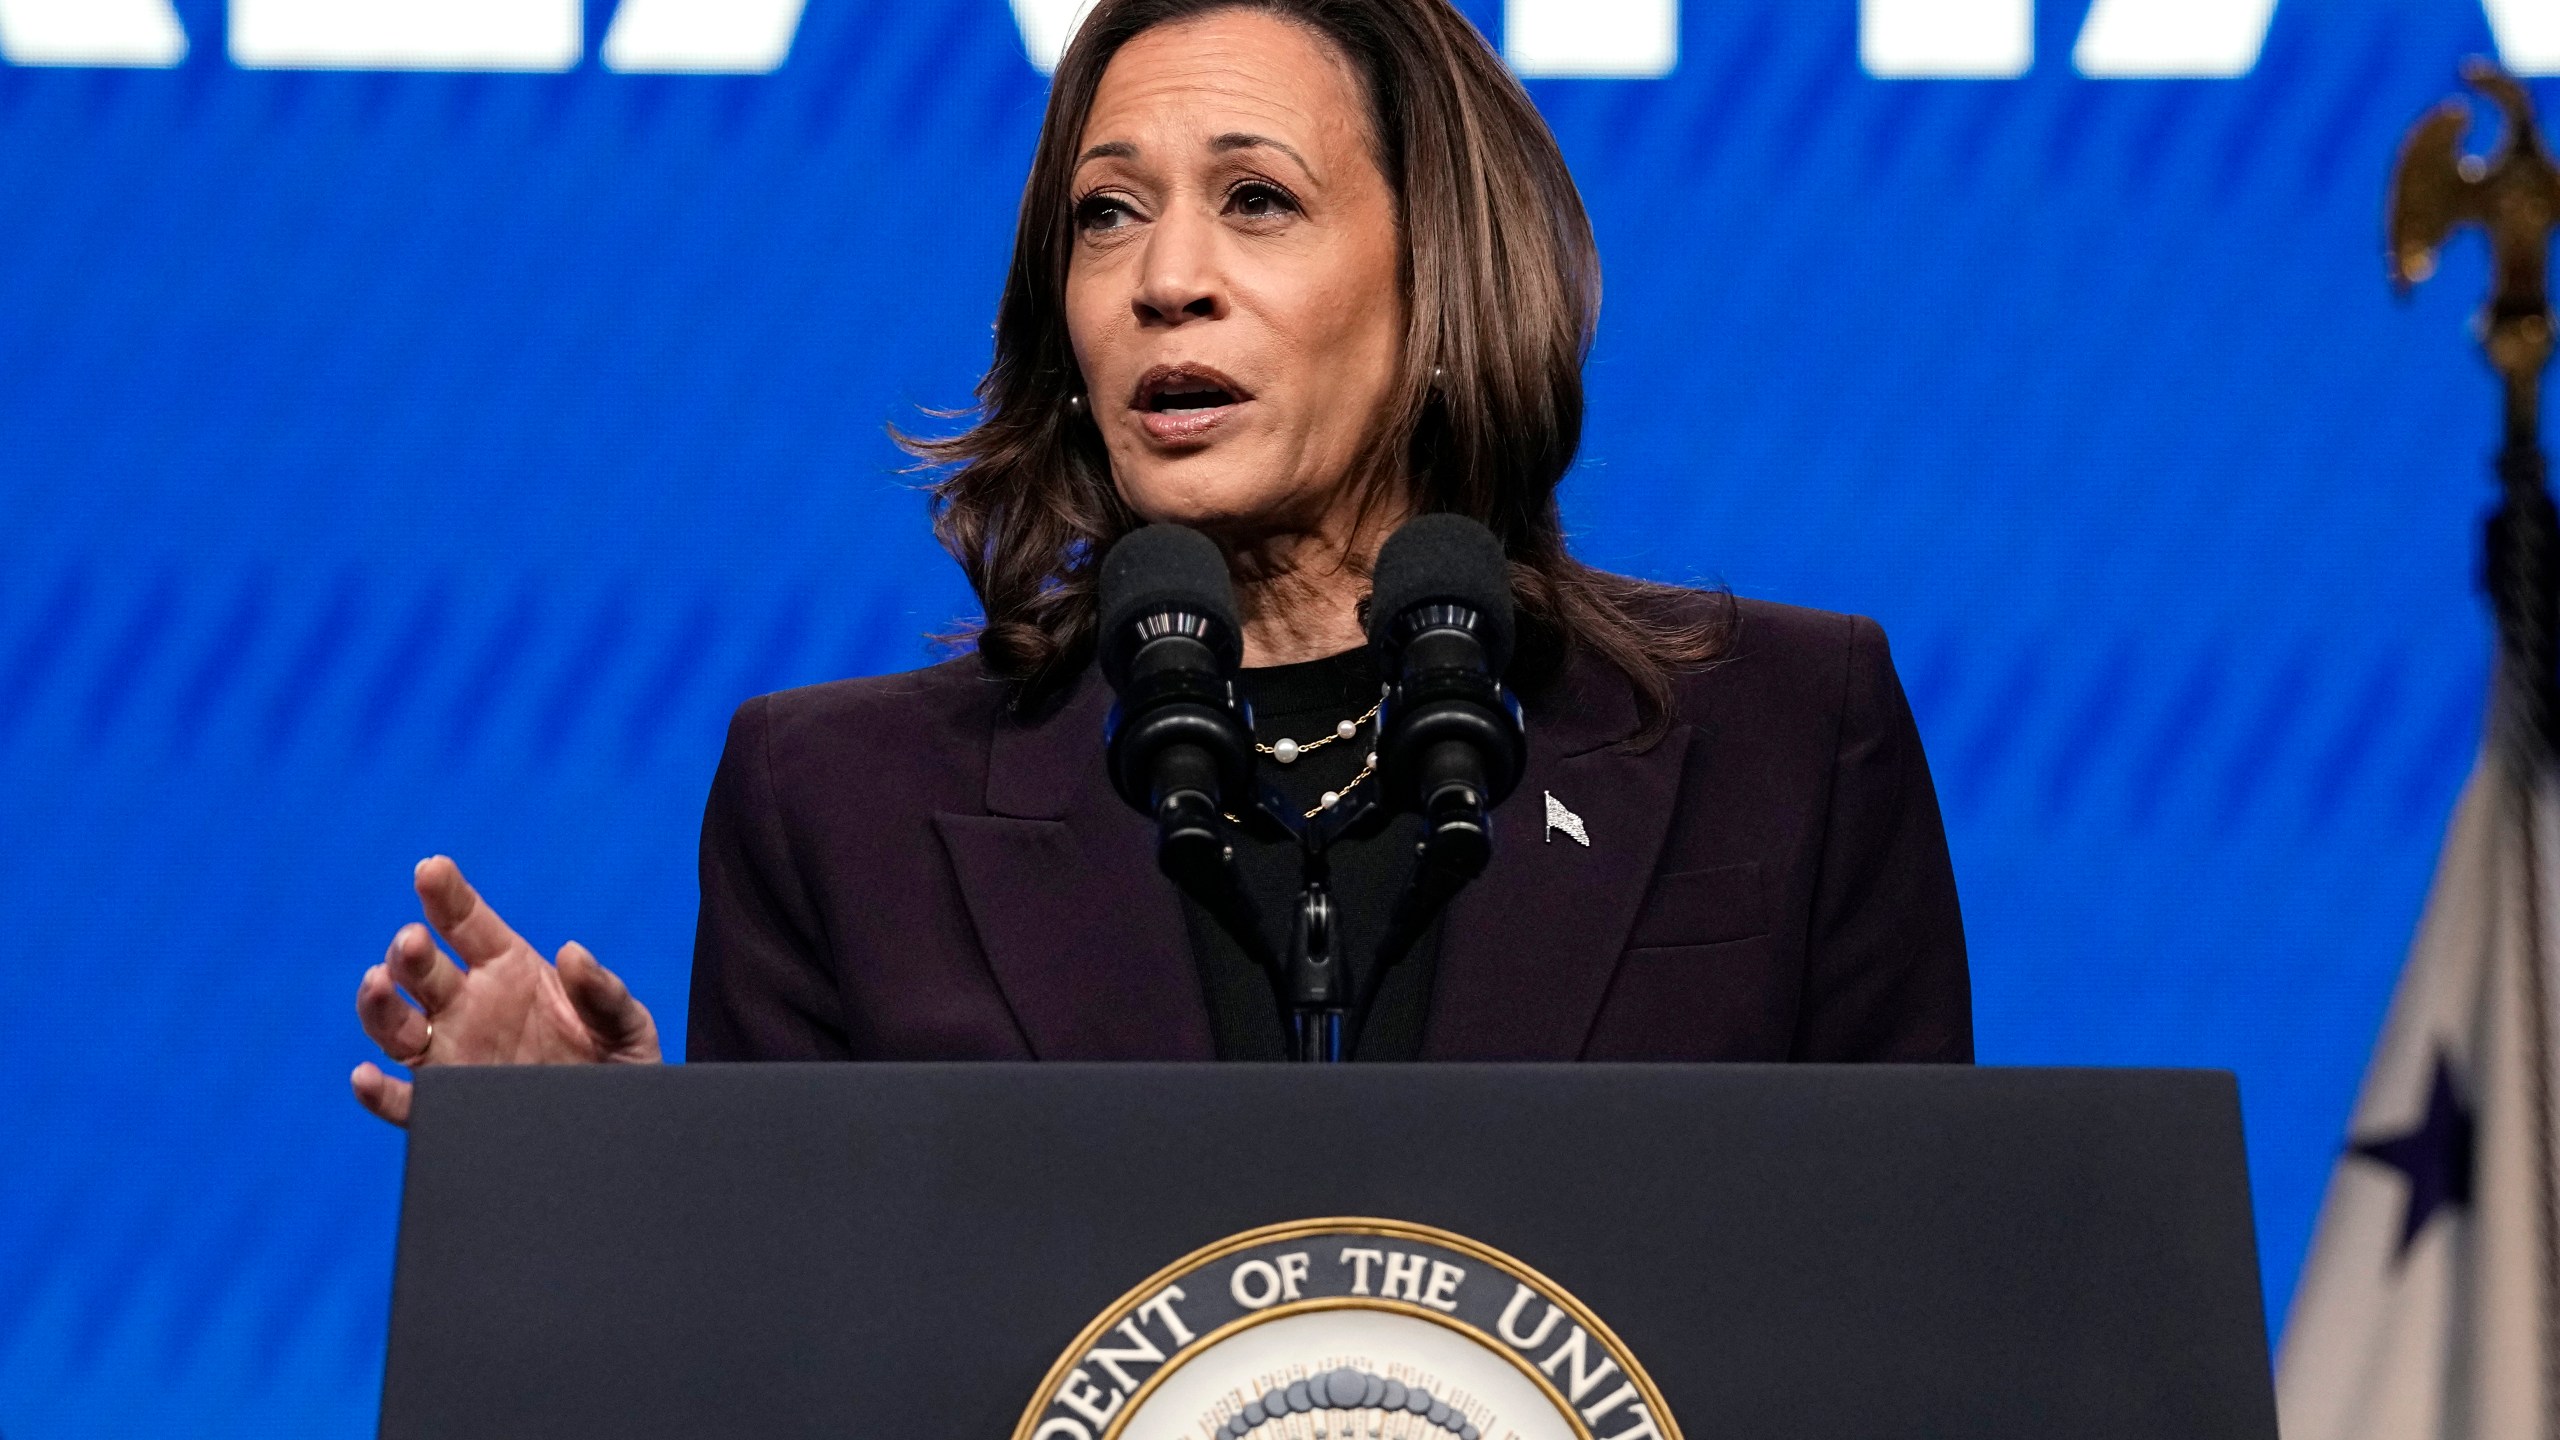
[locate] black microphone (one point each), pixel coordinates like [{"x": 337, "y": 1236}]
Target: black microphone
[
  {"x": 1179, "y": 742},
  {"x": 1450, "y": 742}
]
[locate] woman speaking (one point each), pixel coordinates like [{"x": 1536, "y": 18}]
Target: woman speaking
[{"x": 1288, "y": 273}]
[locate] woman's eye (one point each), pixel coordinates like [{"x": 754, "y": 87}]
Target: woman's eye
[
  {"x": 1102, "y": 212},
  {"x": 1255, "y": 201}
]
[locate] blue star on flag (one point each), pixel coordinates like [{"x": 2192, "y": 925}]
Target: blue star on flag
[{"x": 2436, "y": 1156}]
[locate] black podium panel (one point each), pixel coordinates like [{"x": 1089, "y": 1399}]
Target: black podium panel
[{"x": 902, "y": 1251}]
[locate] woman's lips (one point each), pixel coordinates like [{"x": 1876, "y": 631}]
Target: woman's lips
[
  {"x": 1187, "y": 426},
  {"x": 1185, "y": 403}
]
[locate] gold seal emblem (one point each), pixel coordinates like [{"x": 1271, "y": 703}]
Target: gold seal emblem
[{"x": 1347, "y": 1329}]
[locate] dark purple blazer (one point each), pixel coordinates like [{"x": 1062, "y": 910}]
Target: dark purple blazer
[{"x": 896, "y": 869}]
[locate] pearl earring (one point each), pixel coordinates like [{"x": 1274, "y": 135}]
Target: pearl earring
[{"x": 1075, "y": 404}]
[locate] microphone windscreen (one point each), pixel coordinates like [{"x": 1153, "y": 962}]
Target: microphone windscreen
[
  {"x": 1444, "y": 559},
  {"x": 1165, "y": 567}
]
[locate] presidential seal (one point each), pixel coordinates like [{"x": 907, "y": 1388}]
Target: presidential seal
[{"x": 1347, "y": 1330}]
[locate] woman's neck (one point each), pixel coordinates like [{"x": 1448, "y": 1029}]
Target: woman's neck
[{"x": 1299, "y": 594}]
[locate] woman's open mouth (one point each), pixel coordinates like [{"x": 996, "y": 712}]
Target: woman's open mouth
[{"x": 1182, "y": 404}]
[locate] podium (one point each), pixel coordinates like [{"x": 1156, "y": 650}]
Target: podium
[{"x": 1137, "y": 1252}]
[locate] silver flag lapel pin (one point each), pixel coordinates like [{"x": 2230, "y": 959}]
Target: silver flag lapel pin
[{"x": 1559, "y": 818}]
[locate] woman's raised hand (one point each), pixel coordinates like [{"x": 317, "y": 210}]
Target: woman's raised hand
[{"x": 503, "y": 1005}]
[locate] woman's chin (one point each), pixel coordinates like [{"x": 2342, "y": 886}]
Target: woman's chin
[{"x": 1224, "y": 498}]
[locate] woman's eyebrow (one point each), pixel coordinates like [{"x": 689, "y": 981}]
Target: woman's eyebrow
[
  {"x": 1110, "y": 150},
  {"x": 1241, "y": 140}
]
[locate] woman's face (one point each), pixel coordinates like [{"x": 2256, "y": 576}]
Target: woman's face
[{"x": 1233, "y": 295}]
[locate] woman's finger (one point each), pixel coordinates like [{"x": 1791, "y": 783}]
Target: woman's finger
[
  {"x": 459, "y": 914},
  {"x": 381, "y": 1094},
  {"x": 422, "y": 969},
  {"x": 612, "y": 1014},
  {"x": 388, "y": 1020}
]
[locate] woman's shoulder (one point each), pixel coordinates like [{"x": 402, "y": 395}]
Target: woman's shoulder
[
  {"x": 1779, "y": 635},
  {"x": 1786, "y": 658},
  {"x": 955, "y": 690},
  {"x": 932, "y": 721}
]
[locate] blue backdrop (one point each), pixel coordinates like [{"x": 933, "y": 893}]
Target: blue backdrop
[{"x": 401, "y": 462}]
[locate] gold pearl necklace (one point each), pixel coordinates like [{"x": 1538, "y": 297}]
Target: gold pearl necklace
[{"x": 1287, "y": 751}]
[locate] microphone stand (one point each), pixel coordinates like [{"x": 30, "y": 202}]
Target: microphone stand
[
  {"x": 1312, "y": 985},
  {"x": 1308, "y": 979},
  {"x": 1314, "y": 990}
]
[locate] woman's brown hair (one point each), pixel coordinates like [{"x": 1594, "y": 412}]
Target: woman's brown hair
[{"x": 1503, "y": 288}]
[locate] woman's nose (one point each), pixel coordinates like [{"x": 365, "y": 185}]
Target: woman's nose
[{"x": 1178, "y": 280}]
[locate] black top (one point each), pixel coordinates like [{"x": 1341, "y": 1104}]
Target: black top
[{"x": 1304, "y": 702}]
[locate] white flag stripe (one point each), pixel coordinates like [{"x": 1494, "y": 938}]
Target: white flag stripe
[{"x": 2440, "y": 1341}]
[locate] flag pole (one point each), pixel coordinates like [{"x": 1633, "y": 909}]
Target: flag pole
[{"x": 2514, "y": 195}]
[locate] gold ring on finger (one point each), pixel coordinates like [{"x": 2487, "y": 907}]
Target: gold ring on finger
[{"x": 415, "y": 1060}]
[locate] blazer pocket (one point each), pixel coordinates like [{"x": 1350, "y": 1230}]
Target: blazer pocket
[{"x": 1702, "y": 907}]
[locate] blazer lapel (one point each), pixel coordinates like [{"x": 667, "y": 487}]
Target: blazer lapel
[
  {"x": 1085, "y": 937},
  {"x": 1529, "y": 949}
]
